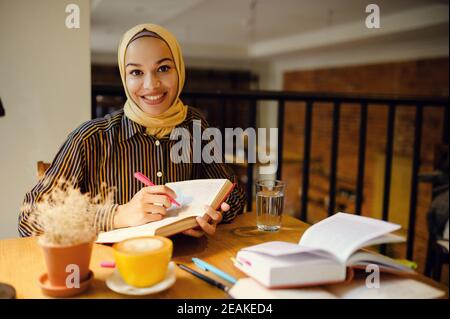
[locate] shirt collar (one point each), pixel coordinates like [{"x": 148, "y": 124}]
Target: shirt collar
[{"x": 128, "y": 128}]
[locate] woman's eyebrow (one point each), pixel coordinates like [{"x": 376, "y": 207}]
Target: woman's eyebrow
[
  {"x": 157, "y": 62},
  {"x": 164, "y": 59},
  {"x": 132, "y": 64}
]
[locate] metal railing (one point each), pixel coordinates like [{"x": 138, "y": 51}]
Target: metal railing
[{"x": 310, "y": 100}]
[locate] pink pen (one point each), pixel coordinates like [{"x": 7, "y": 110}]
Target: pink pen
[
  {"x": 108, "y": 264},
  {"x": 144, "y": 179}
]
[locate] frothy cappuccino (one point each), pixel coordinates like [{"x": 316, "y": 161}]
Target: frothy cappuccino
[
  {"x": 140, "y": 245},
  {"x": 143, "y": 261}
]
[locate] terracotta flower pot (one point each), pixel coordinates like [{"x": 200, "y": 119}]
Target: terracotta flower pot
[{"x": 58, "y": 258}]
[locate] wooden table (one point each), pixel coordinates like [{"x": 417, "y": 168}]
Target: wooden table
[{"x": 21, "y": 260}]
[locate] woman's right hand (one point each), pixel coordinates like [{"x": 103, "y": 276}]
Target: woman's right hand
[{"x": 147, "y": 205}]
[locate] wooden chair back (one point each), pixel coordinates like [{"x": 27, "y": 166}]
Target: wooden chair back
[{"x": 41, "y": 168}]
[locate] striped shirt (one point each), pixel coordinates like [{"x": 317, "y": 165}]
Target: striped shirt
[{"x": 108, "y": 151}]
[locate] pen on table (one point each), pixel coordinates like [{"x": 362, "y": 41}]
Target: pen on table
[
  {"x": 204, "y": 278},
  {"x": 108, "y": 264},
  {"x": 144, "y": 179},
  {"x": 205, "y": 266}
]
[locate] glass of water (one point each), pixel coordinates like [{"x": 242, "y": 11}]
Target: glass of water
[{"x": 269, "y": 204}]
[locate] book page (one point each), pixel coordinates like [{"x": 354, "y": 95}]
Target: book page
[
  {"x": 390, "y": 287},
  {"x": 385, "y": 239},
  {"x": 173, "y": 215},
  {"x": 248, "y": 288},
  {"x": 197, "y": 192},
  {"x": 362, "y": 258},
  {"x": 280, "y": 248},
  {"x": 342, "y": 234},
  {"x": 192, "y": 195}
]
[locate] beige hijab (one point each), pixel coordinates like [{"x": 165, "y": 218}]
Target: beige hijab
[{"x": 162, "y": 124}]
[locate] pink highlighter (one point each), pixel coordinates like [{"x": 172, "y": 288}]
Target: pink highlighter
[{"x": 144, "y": 179}]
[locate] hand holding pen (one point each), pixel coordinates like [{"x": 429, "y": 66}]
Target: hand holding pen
[
  {"x": 147, "y": 205},
  {"x": 144, "y": 179}
]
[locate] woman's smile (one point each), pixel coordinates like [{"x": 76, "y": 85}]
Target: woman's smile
[{"x": 153, "y": 99}]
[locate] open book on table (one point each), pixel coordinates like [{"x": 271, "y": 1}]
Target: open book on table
[
  {"x": 192, "y": 195},
  {"x": 326, "y": 253}
]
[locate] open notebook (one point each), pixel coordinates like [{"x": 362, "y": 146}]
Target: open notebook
[{"x": 193, "y": 195}]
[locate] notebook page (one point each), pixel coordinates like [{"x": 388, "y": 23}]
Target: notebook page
[
  {"x": 198, "y": 192},
  {"x": 192, "y": 195},
  {"x": 342, "y": 234},
  {"x": 248, "y": 288},
  {"x": 125, "y": 233},
  {"x": 173, "y": 214},
  {"x": 391, "y": 287}
]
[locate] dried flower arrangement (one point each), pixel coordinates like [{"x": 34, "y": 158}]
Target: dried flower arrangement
[{"x": 67, "y": 216}]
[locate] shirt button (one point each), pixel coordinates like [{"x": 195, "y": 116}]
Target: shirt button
[
  {"x": 159, "y": 174},
  {"x": 157, "y": 143}
]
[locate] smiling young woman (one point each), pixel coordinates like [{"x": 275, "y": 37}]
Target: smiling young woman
[
  {"x": 151, "y": 75},
  {"x": 103, "y": 154}
]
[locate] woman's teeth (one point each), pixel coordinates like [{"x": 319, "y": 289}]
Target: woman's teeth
[{"x": 153, "y": 97}]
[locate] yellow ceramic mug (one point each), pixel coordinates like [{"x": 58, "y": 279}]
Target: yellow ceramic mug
[{"x": 143, "y": 261}]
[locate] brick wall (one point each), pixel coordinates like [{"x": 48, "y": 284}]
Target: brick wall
[{"x": 421, "y": 77}]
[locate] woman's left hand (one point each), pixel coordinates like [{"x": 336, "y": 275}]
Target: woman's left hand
[{"x": 208, "y": 222}]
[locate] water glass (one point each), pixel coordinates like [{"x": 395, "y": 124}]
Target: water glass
[{"x": 269, "y": 204}]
